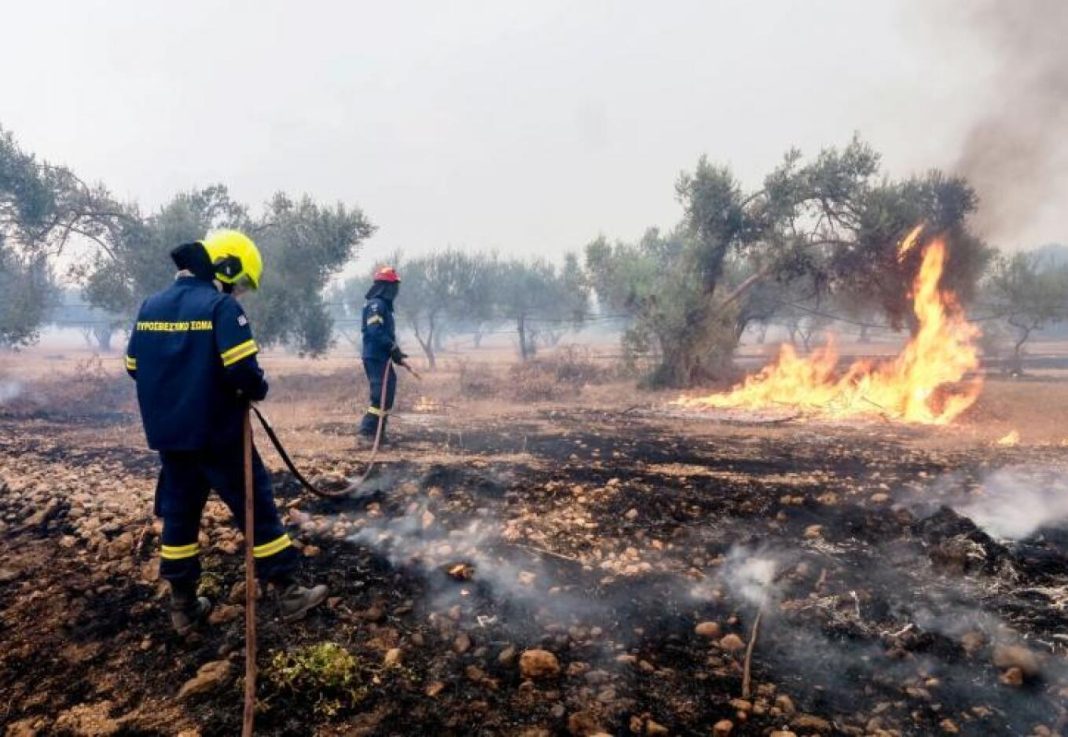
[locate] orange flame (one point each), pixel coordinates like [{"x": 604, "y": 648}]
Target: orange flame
[
  {"x": 921, "y": 384},
  {"x": 909, "y": 242},
  {"x": 1010, "y": 440}
]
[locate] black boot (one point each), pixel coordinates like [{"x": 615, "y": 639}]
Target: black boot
[
  {"x": 368, "y": 430},
  {"x": 294, "y": 601},
  {"x": 366, "y": 441},
  {"x": 187, "y": 609}
]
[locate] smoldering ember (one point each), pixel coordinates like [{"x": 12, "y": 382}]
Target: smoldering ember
[{"x": 541, "y": 429}]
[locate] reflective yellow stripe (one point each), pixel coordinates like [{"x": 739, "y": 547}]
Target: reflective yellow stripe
[
  {"x": 377, "y": 412},
  {"x": 374, "y": 319},
  {"x": 131, "y": 363},
  {"x": 178, "y": 552},
  {"x": 244, "y": 354},
  {"x": 275, "y": 546},
  {"x": 235, "y": 354}
]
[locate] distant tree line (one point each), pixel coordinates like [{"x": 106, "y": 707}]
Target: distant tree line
[
  {"x": 44, "y": 209},
  {"x": 454, "y": 292},
  {"x": 1026, "y": 292},
  {"x": 816, "y": 242}
]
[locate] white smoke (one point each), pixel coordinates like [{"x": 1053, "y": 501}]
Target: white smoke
[
  {"x": 1013, "y": 503},
  {"x": 9, "y": 390},
  {"x": 418, "y": 538},
  {"x": 751, "y": 576}
]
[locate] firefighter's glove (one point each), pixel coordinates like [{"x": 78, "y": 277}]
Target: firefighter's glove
[{"x": 397, "y": 355}]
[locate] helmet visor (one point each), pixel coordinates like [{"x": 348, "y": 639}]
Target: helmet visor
[{"x": 243, "y": 283}]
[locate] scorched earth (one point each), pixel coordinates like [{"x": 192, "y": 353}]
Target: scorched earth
[{"x": 552, "y": 568}]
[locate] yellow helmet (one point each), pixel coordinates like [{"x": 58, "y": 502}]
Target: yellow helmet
[{"x": 235, "y": 258}]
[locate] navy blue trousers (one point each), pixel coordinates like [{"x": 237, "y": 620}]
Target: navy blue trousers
[
  {"x": 376, "y": 370},
  {"x": 185, "y": 480}
]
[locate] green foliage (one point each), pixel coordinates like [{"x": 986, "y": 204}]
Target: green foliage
[
  {"x": 27, "y": 202},
  {"x": 714, "y": 217},
  {"x": 813, "y": 231},
  {"x": 865, "y": 269},
  {"x": 652, "y": 283},
  {"x": 303, "y": 245},
  {"x": 40, "y": 207},
  {"x": 445, "y": 289},
  {"x": 453, "y": 290},
  {"x": 27, "y": 294},
  {"x": 540, "y": 300},
  {"x": 325, "y": 673},
  {"x": 211, "y": 585},
  {"x": 134, "y": 262},
  {"x": 625, "y": 277},
  {"x": 43, "y": 206},
  {"x": 1029, "y": 292}
]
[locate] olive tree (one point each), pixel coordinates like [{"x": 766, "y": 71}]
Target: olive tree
[
  {"x": 302, "y": 244},
  {"x": 829, "y": 223},
  {"x": 42, "y": 207},
  {"x": 1029, "y": 293},
  {"x": 443, "y": 290},
  {"x": 536, "y": 297}
]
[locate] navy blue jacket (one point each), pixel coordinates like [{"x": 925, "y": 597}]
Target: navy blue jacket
[
  {"x": 379, "y": 329},
  {"x": 192, "y": 354}
]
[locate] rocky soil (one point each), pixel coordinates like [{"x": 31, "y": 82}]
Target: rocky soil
[{"x": 557, "y": 573}]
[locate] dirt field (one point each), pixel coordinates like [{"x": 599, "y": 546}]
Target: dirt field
[{"x": 550, "y": 552}]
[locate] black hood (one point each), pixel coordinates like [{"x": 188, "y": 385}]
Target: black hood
[
  {"x": 386, "y": 290},
  {"x": 194, "y": 258}
]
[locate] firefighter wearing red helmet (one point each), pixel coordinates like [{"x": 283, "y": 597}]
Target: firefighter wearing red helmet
[{"x": 380, "y": 350}]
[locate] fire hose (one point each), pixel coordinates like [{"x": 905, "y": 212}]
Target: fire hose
[
  {"x": 353, "y": 486},
  {"x": 248, "y": 713}
]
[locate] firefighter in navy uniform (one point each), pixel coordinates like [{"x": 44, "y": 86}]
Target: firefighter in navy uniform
[
  {"x": 380, "y": 349},
  {"x": 193, "y": 357}
]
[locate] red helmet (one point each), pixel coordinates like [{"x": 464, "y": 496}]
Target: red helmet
[{"x": 387, "y": 274}]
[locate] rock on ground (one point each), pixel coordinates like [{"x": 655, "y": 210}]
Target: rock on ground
[
  {"x": 538, "y": 664},
  {"x": 210, "y": 676}
]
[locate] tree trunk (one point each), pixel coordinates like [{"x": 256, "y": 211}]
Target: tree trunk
[
  {"x": 739, "y": 328},
  {"x": 762, "y": 334},
  {"x": 685, "y": 354},
  {"x": 427, "y": 345},
  {"x": 428, "y": 349},
  {"x": 680, "y": 364},
  {"x": 679, "y": 367},
  {"x": 751, "y": 281},
  {"x": 1017, "y": 350},
  {"x": 103, "y": 334},
  {"x": 525, "y": 349}
]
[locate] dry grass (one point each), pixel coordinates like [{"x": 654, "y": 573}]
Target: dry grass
[{"x": 311, "y": 401}]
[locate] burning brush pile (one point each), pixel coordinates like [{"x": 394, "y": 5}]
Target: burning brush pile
[{"x": 928, "y": 382}]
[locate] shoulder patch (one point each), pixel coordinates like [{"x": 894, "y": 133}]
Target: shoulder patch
[
  {"x": 374, "y": 306},
  {"x": 242, "y": 320}
]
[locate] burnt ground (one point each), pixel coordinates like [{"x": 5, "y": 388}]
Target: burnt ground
[{"x": 603, "y": 538}]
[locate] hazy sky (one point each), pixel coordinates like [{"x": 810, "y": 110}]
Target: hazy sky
[{"x": 529, "y": 128}]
